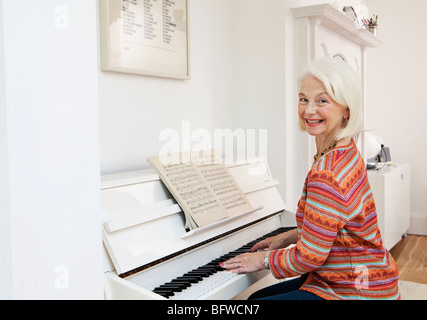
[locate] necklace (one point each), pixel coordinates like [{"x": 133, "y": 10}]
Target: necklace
[{"x": 318, "y": 155}]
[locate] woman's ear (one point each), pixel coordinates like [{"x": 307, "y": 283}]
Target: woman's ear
[{"x": 347, "y": 113}]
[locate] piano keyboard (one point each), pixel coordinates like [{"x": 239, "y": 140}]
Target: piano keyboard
[{"x": 197, "y": 282}]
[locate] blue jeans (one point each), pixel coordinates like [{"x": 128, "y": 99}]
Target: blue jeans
[{"x": 286, "y": 290}]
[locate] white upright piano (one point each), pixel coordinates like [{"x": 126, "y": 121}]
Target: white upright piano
[{"x": 149, "y": 254}]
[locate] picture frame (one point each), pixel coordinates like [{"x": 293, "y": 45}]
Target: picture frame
[{"x": 145, "y": 37}]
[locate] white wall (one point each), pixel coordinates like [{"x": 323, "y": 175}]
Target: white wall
[
  {"x": 5, "y": 257},
  {"x": 259, "y": 76},
  {"x": 396, "y": 85},
  {"x": 49, "y": 151},
  {"x": 134, "y": 110}
]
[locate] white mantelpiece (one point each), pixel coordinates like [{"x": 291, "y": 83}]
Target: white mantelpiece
[
  {"x": 322, "y": 30},
  {"x": 339, "y": 23}
]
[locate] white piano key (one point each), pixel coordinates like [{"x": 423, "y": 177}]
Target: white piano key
[{"x": 204, "y": 286}]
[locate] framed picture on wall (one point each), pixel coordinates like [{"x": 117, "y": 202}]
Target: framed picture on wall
[{"x": 146, "y": 37}]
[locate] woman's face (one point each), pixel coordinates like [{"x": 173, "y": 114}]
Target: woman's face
[{"x": 319, "y": 114}]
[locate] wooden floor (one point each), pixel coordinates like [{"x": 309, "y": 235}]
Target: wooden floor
[{"x": 410, "y": 255}]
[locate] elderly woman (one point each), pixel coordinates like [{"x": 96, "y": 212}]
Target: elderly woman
[{"x": 339, "y": 252}]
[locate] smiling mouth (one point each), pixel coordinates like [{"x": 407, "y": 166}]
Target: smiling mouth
[{"x": 313, "y": 121}]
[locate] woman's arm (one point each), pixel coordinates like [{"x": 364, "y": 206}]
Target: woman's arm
[{"x": 318, "y": 233}]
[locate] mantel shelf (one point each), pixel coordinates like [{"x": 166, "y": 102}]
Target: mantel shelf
[{"x": 338, "y": 22}]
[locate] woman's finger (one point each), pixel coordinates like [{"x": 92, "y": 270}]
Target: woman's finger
[
  {"x": 233, "y": 263},
  {"x": 243, "y": 263},
  {"x": 264, "y": 244}
]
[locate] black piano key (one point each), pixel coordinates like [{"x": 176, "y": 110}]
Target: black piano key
[
  {"x": 198, "y": 273},
  {"x": 194, "y": 275},
  {"x": 171, "y": 285},
  {"x": 217, "y": 262},
  {"x": 182, "y": 282},
  {"x": 240, "y": 251},
  {"x": 213, "y": 266},
  {"x": 186, "y": 283},
  {"x": 188, "y": 279},
  {"x": 170, "y": 291},
  {"x": 209, "y": 268},
  {"x": 252, "y": 243},
  {"x": 165, "y": 293},
  {"x": 209, "y": 271},
  {"x": 170, "y": 288}
]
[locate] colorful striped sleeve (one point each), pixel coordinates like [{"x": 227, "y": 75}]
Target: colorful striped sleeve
[{"x": 324, "y": 215}]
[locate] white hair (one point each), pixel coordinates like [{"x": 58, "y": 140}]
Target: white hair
[{"x": 343, "y": 85}]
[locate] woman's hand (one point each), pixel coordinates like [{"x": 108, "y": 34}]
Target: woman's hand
[
  {"x": 244, "y": 263},
  {"x": 277, "y": 242},
  {"x": 254, "y": 261}
]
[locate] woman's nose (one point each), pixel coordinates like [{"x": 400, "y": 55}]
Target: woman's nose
[{"x": 311, "y": 108}]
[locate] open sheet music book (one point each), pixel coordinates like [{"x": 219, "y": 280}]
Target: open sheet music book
[{"x": 202, "y": 186}]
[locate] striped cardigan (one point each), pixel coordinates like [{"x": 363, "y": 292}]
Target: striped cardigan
[{"x": 339, "y": 243}]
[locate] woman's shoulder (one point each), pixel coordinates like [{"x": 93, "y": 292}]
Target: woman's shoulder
[{"x": 338, "y": 164}]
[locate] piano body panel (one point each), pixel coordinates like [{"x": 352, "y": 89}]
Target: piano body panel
[
  {"x": 232, "y": 288},
  {"x": 135, "y": 246},
  {"x": 130, "y": 199},
  {"x": 116, "y": 288},
  {"x": 128, "y": 178},
  {"x": 141, "y": 225}
]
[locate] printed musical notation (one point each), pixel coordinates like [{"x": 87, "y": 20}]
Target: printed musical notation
[
  {"x": 203, "y": 187},
  {"x": 191, "y": 187}
]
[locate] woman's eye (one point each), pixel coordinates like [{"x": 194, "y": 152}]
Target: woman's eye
[
  {"x": 321, "y": 101},
  {"x": 303, "y": 100}
]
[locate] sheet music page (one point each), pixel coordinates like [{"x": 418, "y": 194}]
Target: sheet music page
[{"x": 202, "y": 186}]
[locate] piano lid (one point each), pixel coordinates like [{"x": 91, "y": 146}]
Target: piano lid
[{"x": 143, "y": 225}]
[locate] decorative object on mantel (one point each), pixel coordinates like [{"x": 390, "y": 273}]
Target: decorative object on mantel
[
  {"x": 350, "y": 13},
  {"x": 337, "y": 20},
  {"x": 371, "y": 25}
]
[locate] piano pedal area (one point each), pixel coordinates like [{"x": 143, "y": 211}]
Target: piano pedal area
[{"x": 195, "y": 283}]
